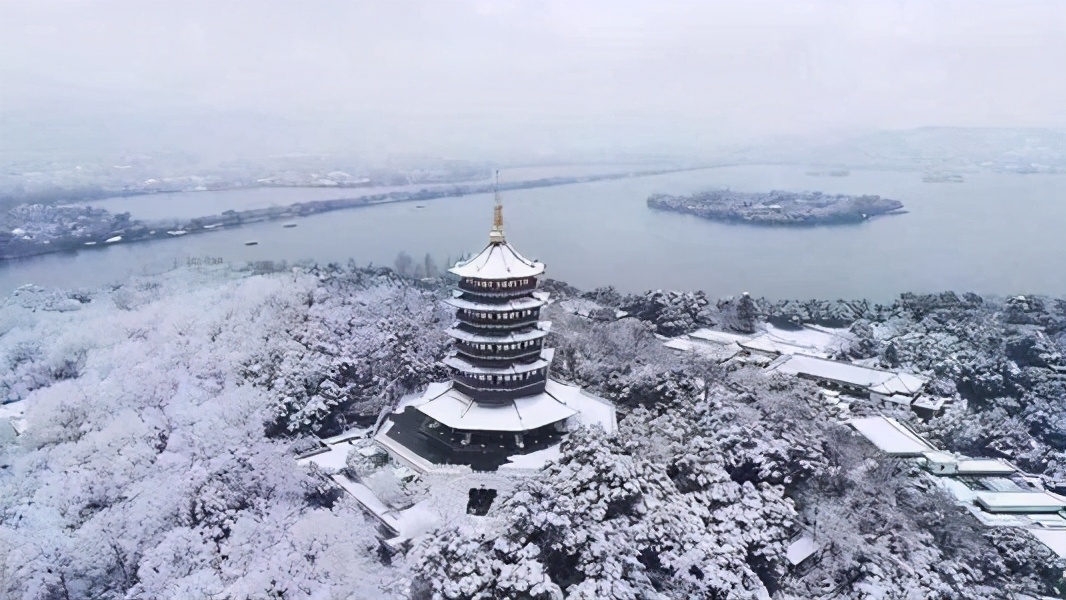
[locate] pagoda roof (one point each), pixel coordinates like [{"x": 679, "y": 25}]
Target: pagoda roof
[
  {"x": 536, "y": 300},
  {"x": 499, "y": 260},
  {"x": 540, "y": 330},
  {"x": 458, "y": 362},
  {"x": 455, "y": 409}
]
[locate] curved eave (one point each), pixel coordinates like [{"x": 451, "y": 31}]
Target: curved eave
[
  {"x": 498, "y": 261},
  {"x": 458, "y": 411},
  {"x": 540, "y": 331},
  {"x": 458, "y": 362},
  {"x": 519, "y": 304}
]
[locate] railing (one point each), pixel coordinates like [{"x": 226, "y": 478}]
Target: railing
[
  {"x": 489, "y": 392},
  {"x": 497, "y": 292},
  {"x": 512, "y": 323},
  {"x": 490, "y": 355}
]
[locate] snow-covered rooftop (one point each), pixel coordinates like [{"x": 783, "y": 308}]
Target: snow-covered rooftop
[
  {"x": 537, "y": 300},
  {"x": 1052, "y": 538},
  {"x": 800, "y": 549},
  {"x": 891, "y": 437},
  {"x": 532, "y": 461},
  {"x": 331, "y": 460},
  {"x": 806, "y": 340},
  {"x": 941, "y": 457},
  {"x": 540, "y": 330},
  {"x": 559, "y": 401},
  {"x": 1020, "y": 502},
  {"x": 14, "y": 413},
  {"x": 458, "y": 362},
  {"x": 350, "y": 434},
  {"x": 875, "y": 380},
  {"x": 984, "y": 466},
  {"x": 498, "y": 261},
  {"x": 459, "y": 411},
  {"x": 719, "y": 337},
  {"x": 715, "y": 350}
]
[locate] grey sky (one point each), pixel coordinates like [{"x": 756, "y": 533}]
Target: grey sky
[{"x": 720, "y": 69}]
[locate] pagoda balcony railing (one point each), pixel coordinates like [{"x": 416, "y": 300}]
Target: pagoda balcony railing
[
  {"x": 496, "y": 355},
  {"x": 479, "y": 323},
  {"x": 494, "y": 292},
  {"x": 497, "y": 393}
]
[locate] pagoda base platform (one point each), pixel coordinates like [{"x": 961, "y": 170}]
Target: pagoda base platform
[
  {"x": 439, "y": 445},
  {"x": 443, "y": 431}
]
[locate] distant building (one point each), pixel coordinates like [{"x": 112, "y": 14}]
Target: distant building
[
  {"x": 944, "y": 463},
  {"x": 1027, "y": 502},
  {"x": 891, "y": 436},
  {"x": 885, "y": 387},
  {"x": 500, "y": 402}
]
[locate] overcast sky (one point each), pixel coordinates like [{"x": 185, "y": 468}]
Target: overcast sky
[{"x": 728, "y": 69}]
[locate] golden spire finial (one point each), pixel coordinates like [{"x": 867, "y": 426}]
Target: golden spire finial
[{"x": 496, "y": 235}]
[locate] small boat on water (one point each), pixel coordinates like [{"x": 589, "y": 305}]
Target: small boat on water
[
  {"x": 420, "y": 206},
  {"x": 251, "y": 243},
  {"x": 177, "y": 232},
  {"x": 289, "y": 225}
]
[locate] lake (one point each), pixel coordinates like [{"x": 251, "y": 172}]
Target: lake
[{"x": 995, "y": 233}]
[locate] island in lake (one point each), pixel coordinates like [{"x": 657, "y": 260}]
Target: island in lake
[{"x": 777, "y": 207}]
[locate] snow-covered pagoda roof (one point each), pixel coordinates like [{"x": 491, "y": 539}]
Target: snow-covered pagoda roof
[
  {"x": 540, "y": 330},
  {"x": 459, "y": 411},
  {"x": 457, "y": 362},
  {"x": 537, "y": 300},
  {"x": 499, "y": 260}
]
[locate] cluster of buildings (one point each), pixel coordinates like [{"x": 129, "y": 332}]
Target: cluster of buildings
[
  {"x": 804, "y": 353},
  {"x": 994, "y": 491}
]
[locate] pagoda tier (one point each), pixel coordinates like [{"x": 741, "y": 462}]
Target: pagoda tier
[
  {"x": 498, "y": 267},
  {"x": 462, "y": 334},
  {"x": 489, "y": 291},
  {"x": 489, "y": 354},
  {"x": 521, "y": 301},
  {"x": 496, "y": 381}
]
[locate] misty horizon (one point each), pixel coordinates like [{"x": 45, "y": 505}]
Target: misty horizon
[{"x": 481, "y": 79}]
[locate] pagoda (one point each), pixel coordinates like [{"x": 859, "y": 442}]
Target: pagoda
[{"x": 500, "y": 402}]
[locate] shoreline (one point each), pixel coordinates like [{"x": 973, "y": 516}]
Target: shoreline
[{"x": 144, "y": 231}]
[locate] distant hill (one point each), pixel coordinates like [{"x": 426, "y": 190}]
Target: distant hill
[{"x": 1023, "y": 150}]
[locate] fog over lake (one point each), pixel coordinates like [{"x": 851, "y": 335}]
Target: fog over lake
[{"x": 994, "y": 233}]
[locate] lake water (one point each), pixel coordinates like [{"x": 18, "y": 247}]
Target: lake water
[{"x": 995, "y": 233}]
